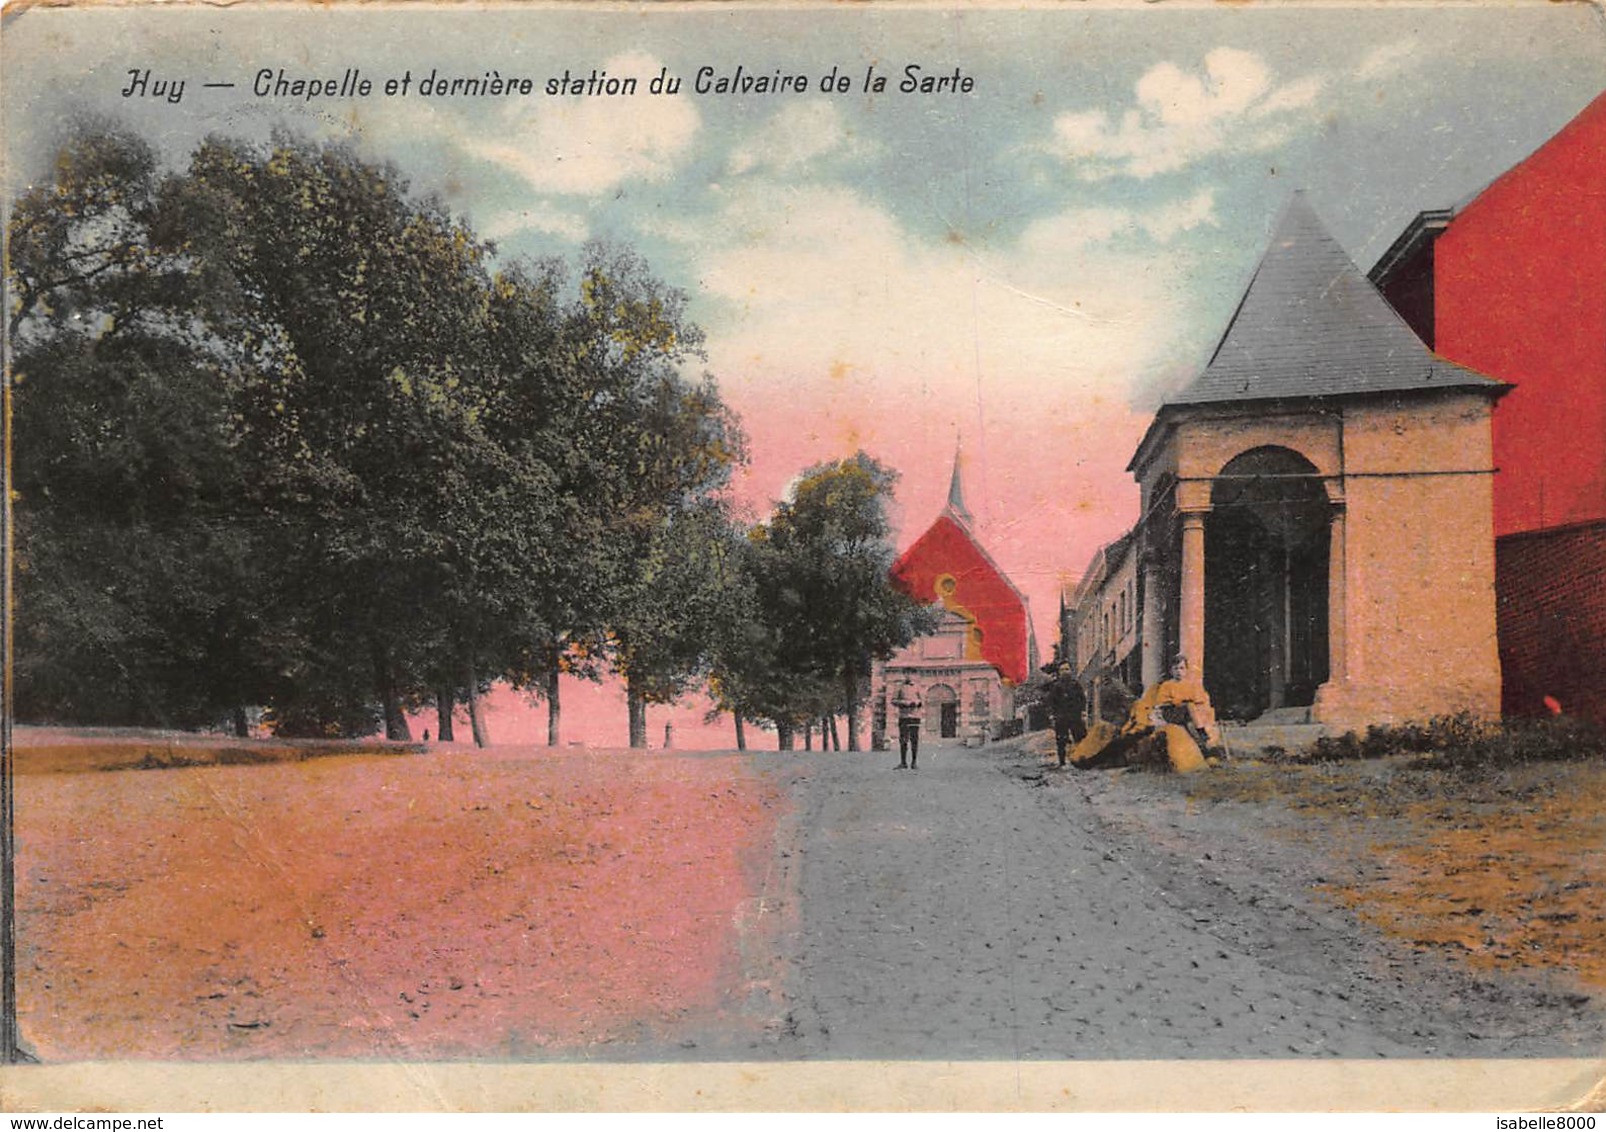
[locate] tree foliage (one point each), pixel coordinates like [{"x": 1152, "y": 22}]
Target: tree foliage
[
  {"x": 293, "y": 438},
  {"x": 821, "y": 581},
  {"x": 140, "y": 598}
]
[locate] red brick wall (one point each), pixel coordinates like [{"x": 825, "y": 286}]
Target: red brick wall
[
  {"x": 1520, "y": 294},
  {"x": 1550, "y": 588}
]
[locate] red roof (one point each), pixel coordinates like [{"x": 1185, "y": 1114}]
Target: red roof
[{"x": 979, "y": 591}]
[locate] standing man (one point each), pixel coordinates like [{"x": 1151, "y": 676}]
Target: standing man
[
  {"x": 909, "y": 713},
  {"x": 1067, "y": 707}
]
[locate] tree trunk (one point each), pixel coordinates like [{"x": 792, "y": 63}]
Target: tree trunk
[
  {"x": 385, "y": 684},
  {"x": 554, "y": 708},
  {"x": 476, "y": 718},
  {"x": 242, "y": 726},
  {"x": 836, "y": 739},
  {"x": 445, "y": 705},
  {"x": 850, "y": 685},
  {"x": 741, "y": 735},
  {"x": 783, "y": 735},
  {"x": 638, "y": 716},
  {"x": 808, "y": 735}
]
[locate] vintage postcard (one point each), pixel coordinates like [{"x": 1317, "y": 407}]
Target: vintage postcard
[{"x": 805, "y": 556}]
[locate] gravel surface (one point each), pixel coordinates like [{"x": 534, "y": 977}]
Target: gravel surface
[
  {"x": 991, "y": 906},
  {"x": 522, "y": 904}
]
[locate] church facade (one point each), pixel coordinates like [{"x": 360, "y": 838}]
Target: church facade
[
  {"x": 1315, "y": 541},
  {"x": 967, "y": 671}
]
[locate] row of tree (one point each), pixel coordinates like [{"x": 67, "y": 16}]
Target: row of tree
[{"x": 292, "y": 438}]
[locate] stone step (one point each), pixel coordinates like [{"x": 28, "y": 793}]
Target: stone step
[
  {"x": 1281, "y": 717},
  {"x": 1249, "y": 738}
]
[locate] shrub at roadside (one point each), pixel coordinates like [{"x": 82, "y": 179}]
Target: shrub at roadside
[
  {"x": 1556, "y": 739},
  {"x": 1464, "y": 741}
]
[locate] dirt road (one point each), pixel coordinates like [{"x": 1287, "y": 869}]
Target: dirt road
[
  {"x": 986, "y": 907},
  {"x": 524, "y": 904}
]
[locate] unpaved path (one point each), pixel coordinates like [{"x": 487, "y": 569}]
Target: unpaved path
[
  {"x": 987, "y": 907},
  {"x": 1360, "y": 874},
  {"x": 536, "y": 905}
]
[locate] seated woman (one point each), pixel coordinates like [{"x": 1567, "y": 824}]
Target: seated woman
[
  {"x": 1170, "y": 723},
  {"x": 1183, "y": 700}
]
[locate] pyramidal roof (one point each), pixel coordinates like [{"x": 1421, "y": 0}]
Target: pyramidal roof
[{"x": 1311, "y": 325}]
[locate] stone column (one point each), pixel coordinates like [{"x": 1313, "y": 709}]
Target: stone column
[
  {"x": 1337, "y": 615},
  {"x": 1191, "y": 638},
  {"x": 1343, "y": 663},
  {"x": 1153, "y": 634}
]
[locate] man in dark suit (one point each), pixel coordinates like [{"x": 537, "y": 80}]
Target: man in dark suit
[{"x": 1067, "y": 708}]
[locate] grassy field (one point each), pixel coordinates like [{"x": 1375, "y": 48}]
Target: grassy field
[{"x": 1504, "y": 868}]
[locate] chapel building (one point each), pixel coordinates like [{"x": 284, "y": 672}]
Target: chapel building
[
  {"x": 967, "y": 671},
  {"x": 1315, "y": 541}
]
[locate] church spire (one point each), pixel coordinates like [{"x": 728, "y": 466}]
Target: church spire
[{"x": 956, "y": 490}]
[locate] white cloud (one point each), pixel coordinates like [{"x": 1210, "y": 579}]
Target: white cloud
[
  {"x": 1197, "y": 211},
  {"x": 1296, "y": 95},
  {"x": 1181, "y": 117},
  {"x": 589, "y": 145},
  {"x": 797, "y": 135},
  {"x": 541, "y": 217},
  {"x": 1233, "y": 80},
  {"x": 1085, "y": 227},
  {"x": 1078, "y": 228},
  {"x": 834, "y": 300},
  {"x": 1385, "y": 60}
]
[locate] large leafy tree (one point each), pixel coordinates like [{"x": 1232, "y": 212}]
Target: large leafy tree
[
  {"x": 78, "y": 247},
  {"x": 292, "y": 438},
  {"x": 742, "y": 649},
  {"x": 391, "y": 434},
  {"x": 763, "y": 669},
  {"x": 141, "y": 593},
  {"x": 826, "y": 583},
  {"x": 666, "y": 624},
  {"x": 659, "y": 447}
]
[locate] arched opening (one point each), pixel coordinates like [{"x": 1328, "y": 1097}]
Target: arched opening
[
  {"x": 1266, "y": 564},
  {"x": 942, "y": 711}
]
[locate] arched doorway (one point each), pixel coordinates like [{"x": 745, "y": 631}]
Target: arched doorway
[
  {"x": 942, "y": 711},
  {"x": 1266, "y": 562}
]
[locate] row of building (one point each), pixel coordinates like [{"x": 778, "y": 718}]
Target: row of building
[{"x": 1383, "y": 498}]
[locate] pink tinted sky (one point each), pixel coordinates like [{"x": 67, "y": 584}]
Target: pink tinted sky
[
  {"x": 1030, "y": 264},
  {"x": 1045, "y": 484}
]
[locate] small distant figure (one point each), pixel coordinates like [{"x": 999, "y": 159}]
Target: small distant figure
[
  {"x": 669, "y": 736},
  {"x": 1067, "y": 708},
  {"x": 909, "y": 712},
  {"x": 426, "y": 734}
]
